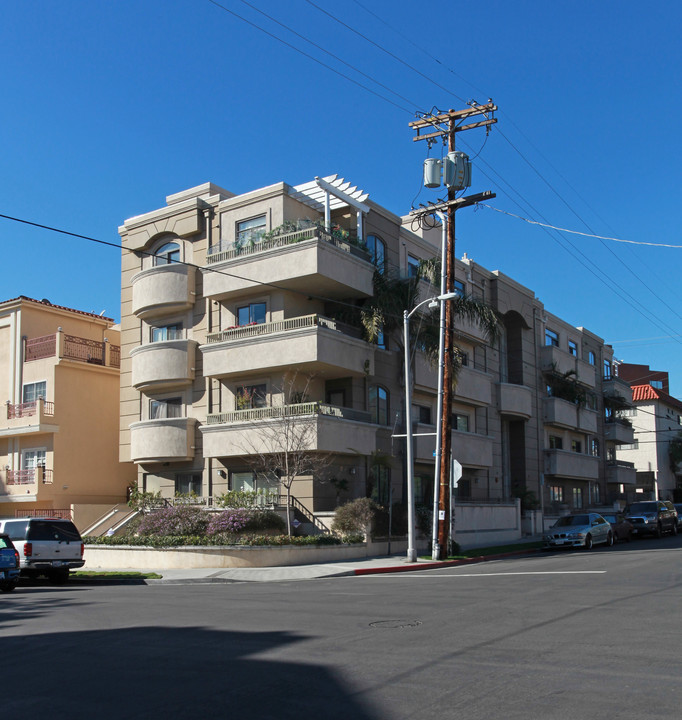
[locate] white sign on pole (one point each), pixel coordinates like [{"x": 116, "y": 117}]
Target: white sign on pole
[{"x": 456, "y": 472}]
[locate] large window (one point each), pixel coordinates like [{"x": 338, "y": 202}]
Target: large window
[
  {"x": 167, "y": 254},
  {"x": 167, "y": 332},
  {"x": 594, "y": 447},
  {"x": 252, "y": 482},
  {"x": 32, "y": 459},
  {"x": 33, "y": 391},
  {"x": 460, "y": 422},
  {"x": 555, "y": 442},
  {"x": 248, "y": 397},
  {"x": 591, "y": 358},
  {"x": 377, "y": 252},
  {"x": 188, "y": 484},
  {"x": 166, "y": 408},
  {"x": 378, "y": 405},
  {"x": 250, "y": 231},
  {"x": 251, "y": 314},
  {"x": 607, "y": 370},
  {"x": 556, "y": 493},
  {"x": 459, "y": 290},
  {"x": 573, "y": 348},
  {"x": 422, "y": 414},
  {"x": 577, "y": 498},
  {"x": 551, "y": 338}
]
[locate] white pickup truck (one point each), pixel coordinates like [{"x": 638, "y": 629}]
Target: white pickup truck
[{"x": 46, "y": 546}]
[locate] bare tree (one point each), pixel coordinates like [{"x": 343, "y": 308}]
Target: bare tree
[{"x": 283, "y": 443}]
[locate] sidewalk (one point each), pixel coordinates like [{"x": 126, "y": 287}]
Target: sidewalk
[{"x": 370, "y": 566}]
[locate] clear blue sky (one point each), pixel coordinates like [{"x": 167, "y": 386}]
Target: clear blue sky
[{"x": 107, "y": 107}]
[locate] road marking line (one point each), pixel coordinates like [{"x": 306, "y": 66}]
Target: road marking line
[{"x": 549, "y": 572}]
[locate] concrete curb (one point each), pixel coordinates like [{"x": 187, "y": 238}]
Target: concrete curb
[{"x": 442, "y": 563}]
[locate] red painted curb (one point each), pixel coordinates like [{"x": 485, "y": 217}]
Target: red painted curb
[{"x": 439, "y": 564}]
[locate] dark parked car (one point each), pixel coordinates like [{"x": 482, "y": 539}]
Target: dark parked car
[
  {"x": 622, "y": 528},
  {"x": 678, "y": 507},
  {"x": 651, "y": 517},
  {"x": 9, "y": 564}
]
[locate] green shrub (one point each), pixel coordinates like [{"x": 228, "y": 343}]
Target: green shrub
[
  {"x": 354, "y": 517},
  {"x": 265, "y": 520}
]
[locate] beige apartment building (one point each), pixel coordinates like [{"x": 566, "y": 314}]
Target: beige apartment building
[
  {"x": 59, "y": 389},
  {"x": 235, "y": 322}
]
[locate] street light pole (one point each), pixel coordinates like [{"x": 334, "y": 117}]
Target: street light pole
[{"x": 433, "y": 302}]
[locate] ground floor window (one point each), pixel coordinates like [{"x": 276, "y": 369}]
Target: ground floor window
[
  {"x": 188, "y": 484},
  {"x": 253, "y": 482},
  {"x": 596, "y": 494},
  {"x": 577, "y": 498},
  {"x": 556, "y": 493}
]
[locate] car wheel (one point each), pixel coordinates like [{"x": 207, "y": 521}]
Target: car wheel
[
  {"x": 588, "y": 542},
  {"x": 7, "y": 587},
  {"x": 609, "y": 540}
]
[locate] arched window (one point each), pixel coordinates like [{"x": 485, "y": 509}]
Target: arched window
[
  {"x": 377, "y": 252},
  {"x": 167, "y": 254},
  {"x": 379, "y": 405}
]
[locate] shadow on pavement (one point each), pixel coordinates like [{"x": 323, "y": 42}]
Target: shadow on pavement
[{"x": 157, "y": 672}]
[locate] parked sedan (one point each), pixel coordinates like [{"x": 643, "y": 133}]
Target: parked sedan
[
  {"x": 583, "y": 530},
  {"x": 622, "y": 529}
]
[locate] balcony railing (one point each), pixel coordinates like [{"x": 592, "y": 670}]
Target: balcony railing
[
  {"x": 27, "y": 409},
  {"x": 228, "y": 251},
  {"x": 72, "y": 347},
  {"x": 30, "y": 476},
  {"x": 306, "y": 321},
  {"x": 620, "y": 463},
  {"x": 284, "y": 411}
]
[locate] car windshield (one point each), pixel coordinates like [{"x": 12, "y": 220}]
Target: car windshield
[
  {"x": 569, "y": 520},
  {"x": 5, "y": 542},
  {"x": 644, "y": 507}
]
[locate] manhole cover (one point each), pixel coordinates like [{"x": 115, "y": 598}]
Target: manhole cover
[{"x": 395, "y": 623}]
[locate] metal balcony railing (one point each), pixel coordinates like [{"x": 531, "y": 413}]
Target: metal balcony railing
[
  {"x": 27, "y": 409},
  {"x": 29, "y": 476},
  {"x": 283, "y": 411},
  {"x": 305, "y": 321}
]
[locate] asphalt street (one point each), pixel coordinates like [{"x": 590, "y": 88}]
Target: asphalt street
[{"x": 553, "y": 635}]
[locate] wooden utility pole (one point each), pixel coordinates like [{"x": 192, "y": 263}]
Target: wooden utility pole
[{"x": 440, "y": 126}]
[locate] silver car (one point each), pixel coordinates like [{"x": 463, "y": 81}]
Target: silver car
[{"x": 583, "y": 530}]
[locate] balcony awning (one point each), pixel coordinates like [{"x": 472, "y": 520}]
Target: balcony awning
[{"x": 330, "y": 193}]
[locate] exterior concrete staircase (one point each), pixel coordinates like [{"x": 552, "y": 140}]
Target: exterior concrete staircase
[{"x": 112, "y": 521}]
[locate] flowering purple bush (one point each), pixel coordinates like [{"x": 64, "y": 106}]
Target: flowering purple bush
[
  {"x": 231, "y": 521},
  {"x": 176, "y": 520}
]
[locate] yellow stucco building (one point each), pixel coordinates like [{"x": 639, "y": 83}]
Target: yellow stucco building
[{"x": 59, "y": 409}]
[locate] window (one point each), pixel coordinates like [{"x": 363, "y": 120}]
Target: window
[
  {"x": 381, "y": 337},
  {"x": 378, "y": 405},
  {"x": 167, "y": 332},
  {"x": 628, "y": 412},
  {"x": 576, "y": 446},
  {"x": 33, "y": 391},
  {"x": 657, "y": 384},
  {"x": 607, "y": 370},
  {"x": 32, "y": 459},
  {"x": 608, "y": 414},
  {"x": 336, "y": 397},
  {"x": 381, "y": 485},
  {"x": 590, "y": 401},
  {"x": 412, "y": 266},
  {"x": 460, "y": 422},
  {"x": 555, "y": 442},
  {"x": 591, "y": 358},
  {"x": 594, "y": 447},
  {"x": 377, "y": 252},
  {"x": 556, "y": 493},
  {"x": 422, "y": 414},
  {"x": 596, "y": 494},
  {"x": 188, "y": 484},
  {"x": 252, "y": 314},
  {"x": 166, "y": 408},
  {"x": 250, "y": 396},
  {"x": 252, "y": 482},
  {"x": 250, "y": 231},
  {"x": 167, "y": 254},
  {"x": 577, "y": 498},
  {"x": 573, "y": 348},
  {"x": 459, "y": 288},
  {"x": 551, "y": 338}
]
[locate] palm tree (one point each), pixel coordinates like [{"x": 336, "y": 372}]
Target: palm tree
[{"x": 383, "y": 313}]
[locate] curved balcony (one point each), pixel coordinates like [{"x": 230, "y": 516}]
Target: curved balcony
[
  {"x": 163, "y": 440},
  {"x": 312, "y": 343},
  {"x": 515, "y": 400},
  {"x": 165, "y": 364},
  {"x": 308, "y": 260},
  {"x": 162, "y": 290},
  {"x": 316, "y": 426}
]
